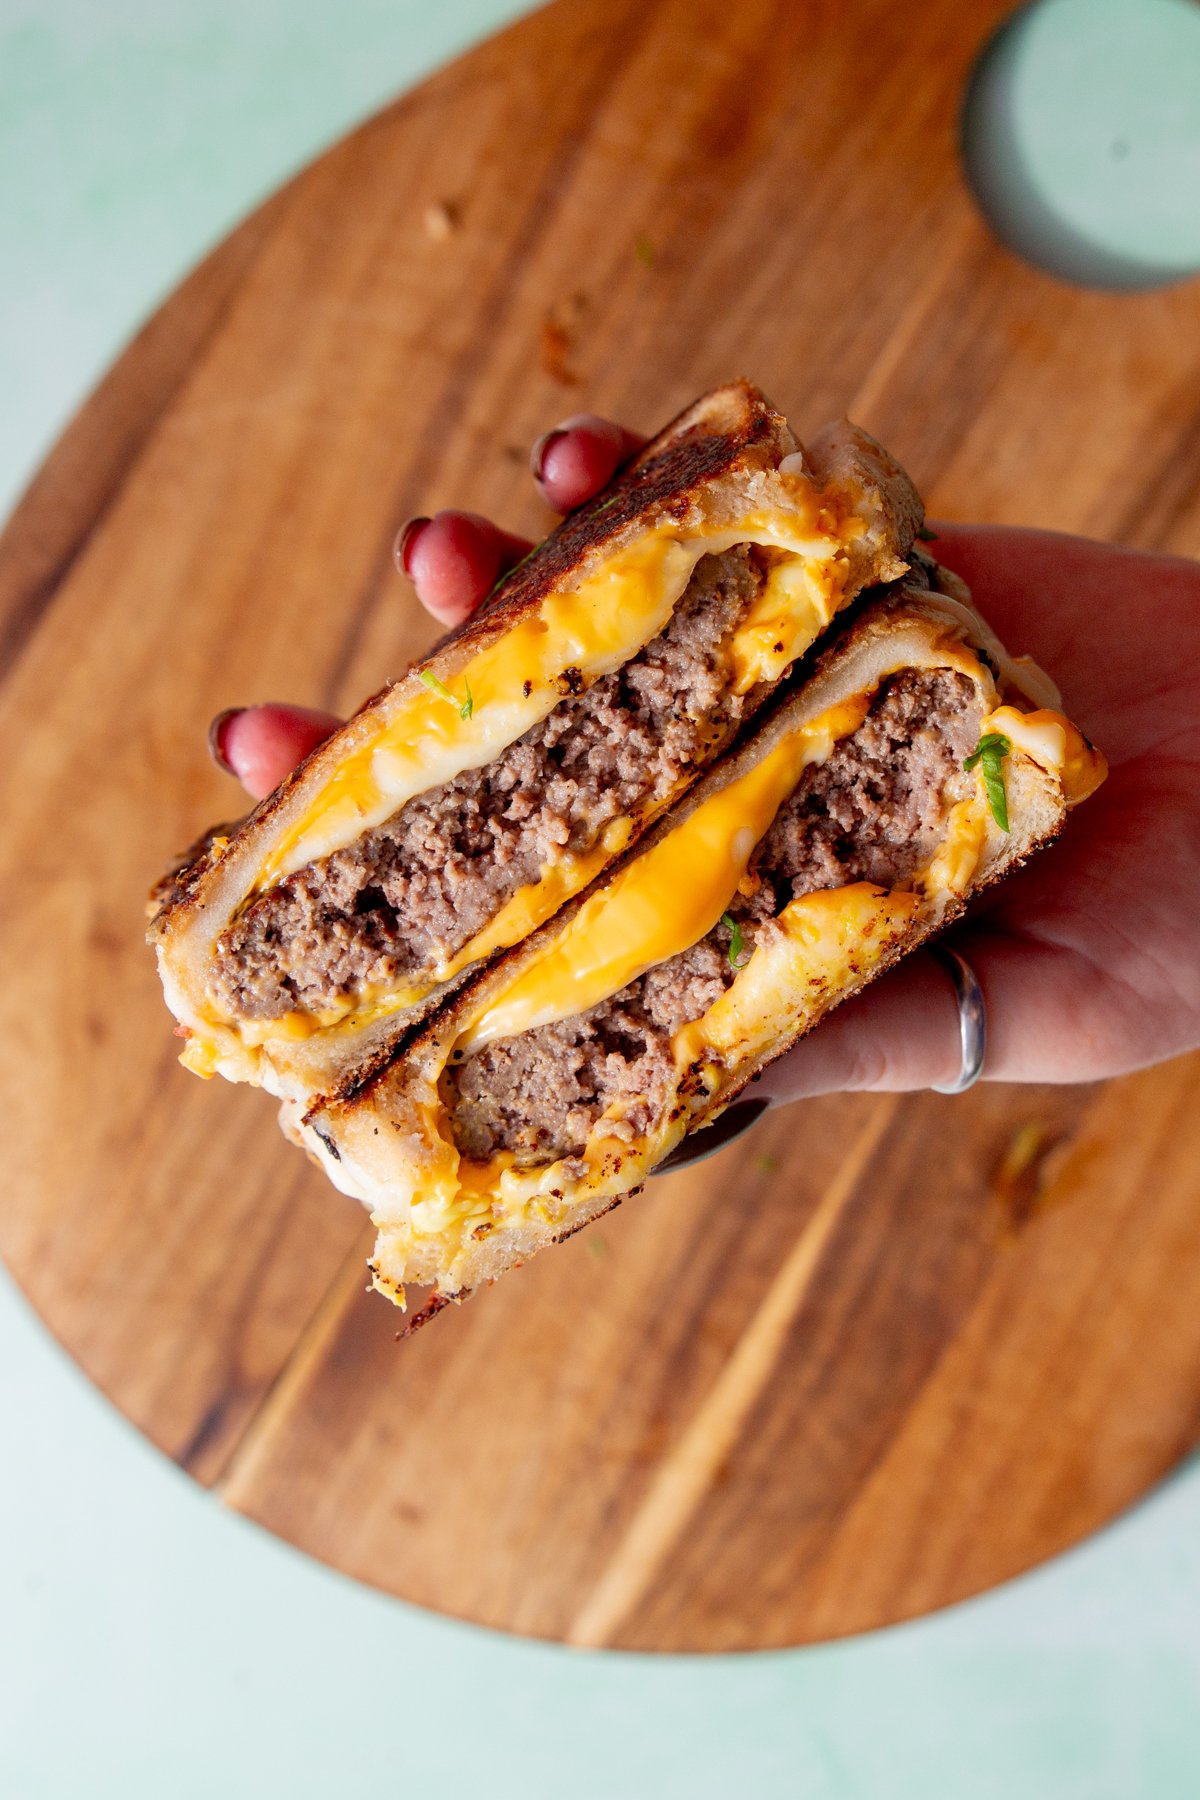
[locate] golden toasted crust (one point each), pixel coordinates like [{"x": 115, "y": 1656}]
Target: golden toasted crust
[
  {"x": 184, "y": 870},
  {"x": 729, "y": 432}
]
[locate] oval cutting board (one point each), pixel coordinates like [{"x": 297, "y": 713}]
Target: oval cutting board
[{"x": 884, "y": 1353}]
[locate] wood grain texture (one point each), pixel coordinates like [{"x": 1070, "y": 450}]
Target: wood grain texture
[{"x": 850, "y": 1371}]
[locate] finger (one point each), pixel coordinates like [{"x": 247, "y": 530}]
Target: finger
[
  {"x": 1052, "y": 1015},
  {"x": 1061, "y": 598},
  {"x": 578, "y": 458},
  {"x": 454, "y": 561},
  {"x": 262, "y": 744},
  {"x": 901, "y": 1033},
  {"x": 1027, "y": 581}
]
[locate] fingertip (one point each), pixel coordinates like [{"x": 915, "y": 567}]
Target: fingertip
[
  {"x": 579, "y": 457},
  {"x": 217, "y": 731},
  {"x": 454, "y": 561},
  {"x": 406, "y": 539},
  {"x": 259, "y": 745},
  {"x": 542, "y": 447}
]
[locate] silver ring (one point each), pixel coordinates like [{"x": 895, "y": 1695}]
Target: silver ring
[{"x": 972, "y": 1020}]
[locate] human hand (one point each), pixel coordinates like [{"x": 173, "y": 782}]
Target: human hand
[{"x": 1089, "y": 958}]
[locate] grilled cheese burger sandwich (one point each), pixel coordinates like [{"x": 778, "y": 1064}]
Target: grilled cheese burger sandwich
[
  {"x": 462, "y": 807},
  {"x": 915, "y": 766},
  {"x": 722, "y": 750}
]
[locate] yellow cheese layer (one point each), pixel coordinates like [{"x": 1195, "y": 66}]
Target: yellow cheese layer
[
  {"x": 528, "y": 908},
  {"x": 669, "y": 898},
  {"x": 797, "y": 602},
  {"x": 957, "y": 858},
  {"x": 1047, "y": 737}
]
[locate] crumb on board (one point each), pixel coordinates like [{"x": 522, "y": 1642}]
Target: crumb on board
[
  {"x": 442, "y": 220},
  {"x": 1021, "y": 1176},
  {"x": 557, "y": 343}
]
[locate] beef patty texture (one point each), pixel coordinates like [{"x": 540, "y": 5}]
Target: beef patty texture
[
  {"x": 416, "y": 889},
  {"x": 874, "y": 811}
]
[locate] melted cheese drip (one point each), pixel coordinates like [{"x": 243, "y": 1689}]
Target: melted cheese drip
[
  {"x": 791, "y": 612},
  {"x": 958, "y": 855}
]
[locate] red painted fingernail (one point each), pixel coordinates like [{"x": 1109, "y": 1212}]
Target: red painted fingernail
[
  {"x": 217, "y": 734},
  {"x": 406, "y": 539},
  {"x": 537, "y": 456}
]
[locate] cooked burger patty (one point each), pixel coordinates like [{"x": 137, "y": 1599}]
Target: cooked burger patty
[
  {"x": 420, "y": 886},
  {"x": 875, "y": 811}
]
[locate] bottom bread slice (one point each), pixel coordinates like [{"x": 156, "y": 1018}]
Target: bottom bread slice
[{"x": 844, "y": 834}]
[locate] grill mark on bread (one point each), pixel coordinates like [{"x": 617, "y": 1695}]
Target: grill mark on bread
[{"x": 873, "y": 811}]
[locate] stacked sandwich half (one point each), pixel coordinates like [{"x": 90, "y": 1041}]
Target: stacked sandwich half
[{"x": 721, "y": 750}]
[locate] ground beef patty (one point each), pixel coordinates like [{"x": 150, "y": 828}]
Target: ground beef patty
[
  {"x": 419, "y": 887},
  {"x": 874, "y": 811}
]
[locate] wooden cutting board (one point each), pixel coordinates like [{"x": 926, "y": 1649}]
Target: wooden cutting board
[{"x": 882, "y": 1354}]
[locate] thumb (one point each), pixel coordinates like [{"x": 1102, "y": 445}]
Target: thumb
[{"x": 901, "y": 1033}]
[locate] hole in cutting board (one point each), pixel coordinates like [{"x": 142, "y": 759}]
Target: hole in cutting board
[{"x": 1081, "y": 139}]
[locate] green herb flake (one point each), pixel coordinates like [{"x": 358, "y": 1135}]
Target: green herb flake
[
  {"x": 766, "y": 1165},
  {"x": 463, "y": 708},
  {"x": 508, "y": 574},
  {"x": 737, "y": 942},
  {"x": 926, "y": 536},
  {"x": 597, "y": 1248},
  {"x": 988, "y": 755},
  {"x": 643, "y": 249}
]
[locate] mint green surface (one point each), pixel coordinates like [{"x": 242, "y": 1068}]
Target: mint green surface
[
  {"x": 1082, "y": 136},
  {"x": 154, "y": 1647}
]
